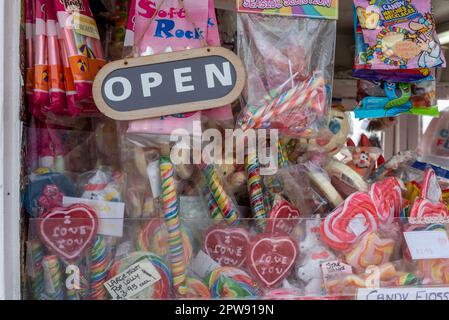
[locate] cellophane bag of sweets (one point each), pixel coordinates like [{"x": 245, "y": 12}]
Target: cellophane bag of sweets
[
  {"x": 400, "y": 34},
  {"x": 288, "y": 86},
  {"x": 82, "y": 45},
  {"x": 41, "y": 94},
  {"x": 166, "y": 26}
]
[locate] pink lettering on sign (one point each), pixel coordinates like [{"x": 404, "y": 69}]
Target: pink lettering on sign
[
  {"x": 271, "y": 258},
  {"x": 227, "y": 246},
  {"x": 68, "y": 231}
]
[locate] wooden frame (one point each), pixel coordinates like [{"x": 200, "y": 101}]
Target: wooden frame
[{"x": 170, "y": 109}]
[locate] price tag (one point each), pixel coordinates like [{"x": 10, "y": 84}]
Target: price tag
[
  {"x": 85, "y": 25},
  {"x": 203, "y": 264},
  {"x": 133, "y": 280},
  {"x": 334, "y": 269},
  {"x": 425, "y": 245},
  {"x": 110, "y": 214}
]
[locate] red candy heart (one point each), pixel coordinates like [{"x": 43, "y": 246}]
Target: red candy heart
[
  {"x": 387, "y": 197},
  {"x": 68, "y": 231},
  {"x": 350, "y": 221},
  {"x": 227, "y": 246},
  {"x": 271, "y": 258},
  {"x": 282, "y": 218}
]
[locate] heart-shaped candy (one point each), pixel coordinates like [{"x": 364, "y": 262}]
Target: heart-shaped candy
[
  {"x": 425, "y": 211},
  {"x": 431, "y": 189},
  {"x": 350, "y": 222},
  {"x": 271, "y": 258},
  {"x": 68, "y": 231},
  {"x": 227, "y": 246},
  {"x": 387, "y": 197},
  {"x": 282, "y": 218}
]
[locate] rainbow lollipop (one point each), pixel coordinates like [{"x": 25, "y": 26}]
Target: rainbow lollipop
[
  {"x": 256, "y": 190},
  {"x": 53, "y": 276},
  {"x": 100, "y": 262},
  {"x": 230, "y": 282},
  {"x": 220, "y": 196},
  {"x": 171, "y": 214},
  {"x": 37, "y": 280}
]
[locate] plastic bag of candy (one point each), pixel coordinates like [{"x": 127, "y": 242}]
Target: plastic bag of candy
[{"x": 288, "y": 88}]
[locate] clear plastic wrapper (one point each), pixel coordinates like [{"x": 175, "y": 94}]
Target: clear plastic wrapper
[{"x": 288, "y": 87}]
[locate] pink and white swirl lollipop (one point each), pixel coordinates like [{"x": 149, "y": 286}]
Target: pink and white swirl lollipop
[
  {"x": 348, "y": 223},
  {"x": 387, "y": 197}
]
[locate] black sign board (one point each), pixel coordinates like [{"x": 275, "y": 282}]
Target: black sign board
[{"x": 170, "y": 83}]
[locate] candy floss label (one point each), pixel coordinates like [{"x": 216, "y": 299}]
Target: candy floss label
[
  {"x": 133, "y": 280},
  {"x": 403, "y": 294},
  {"x": 303, "y": 8}
]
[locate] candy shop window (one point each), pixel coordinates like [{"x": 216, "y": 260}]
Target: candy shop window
[{"x": 203, "y": 149}]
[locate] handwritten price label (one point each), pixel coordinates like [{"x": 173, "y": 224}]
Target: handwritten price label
[
  {"x": 133, "y": 280},
  {"x": 425, "y": 245}
]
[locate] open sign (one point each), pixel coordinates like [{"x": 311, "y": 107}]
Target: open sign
[{"x": 169, "y": 83}]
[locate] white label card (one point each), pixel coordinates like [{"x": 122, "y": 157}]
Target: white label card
[
  {"x": 203, "y": 264},
  {"x": 133, "y": 280},
  {"x": 334, "y": 269},
  {"x": 403, "y": 293},
  {"x": 357, "y": 225},
  {"x": 110, "y": 214},
  {"x": 425, "y": 245}
]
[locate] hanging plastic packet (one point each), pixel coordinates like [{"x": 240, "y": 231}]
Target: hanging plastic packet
[
  {"x": 166, "y": 26},
  {"x": 82, "y": 44},
  {"x": 56, "y": 83},
  {"x": 399, "y": 34},
  {"x": 362, "y": 69},
  {"x": 29, "y": 38},
  {"x": 389, "y": 99},
  {"x": 288, "y": 87},
  {"x": 41, "y": 96}
]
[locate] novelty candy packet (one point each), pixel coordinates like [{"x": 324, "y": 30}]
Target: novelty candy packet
[{"x": 400, "y": 34}]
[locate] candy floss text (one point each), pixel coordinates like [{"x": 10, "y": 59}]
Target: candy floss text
[
  {"x": 278, "y": 4},
  {"x": 165, "y": 21}
]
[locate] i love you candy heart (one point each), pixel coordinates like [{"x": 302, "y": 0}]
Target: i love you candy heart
[
  {"x": 227, "y": 246},
  {"x": 282, "y": 218},
  {"x": 68, "y": 231},
  {"x": 271, "y": 258}
]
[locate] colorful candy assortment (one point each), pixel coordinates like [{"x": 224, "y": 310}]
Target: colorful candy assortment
[{"x": 133, "y": 223}]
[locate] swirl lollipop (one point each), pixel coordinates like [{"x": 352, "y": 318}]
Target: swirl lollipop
[
  {"x": 356, "y": 217},
  {"x": 100, "y": 262},
  {"x": 196, "y": 289},
  {"x": 37, "y": 280},
  {"x": 371, "y": 250},
  {"x": 53, "y": 276},
  {"x": 230, "y": 282},
  {"x": 256, "y": 190},
  {"x": 220, "y": 196},
  {"x": 153, "y": 237},
  {"x": 387, "y": 197},
  {"x": 171, "y": 215}
]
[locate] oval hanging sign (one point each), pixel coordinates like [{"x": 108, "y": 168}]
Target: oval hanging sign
[{"x": 169, "y": 83}]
